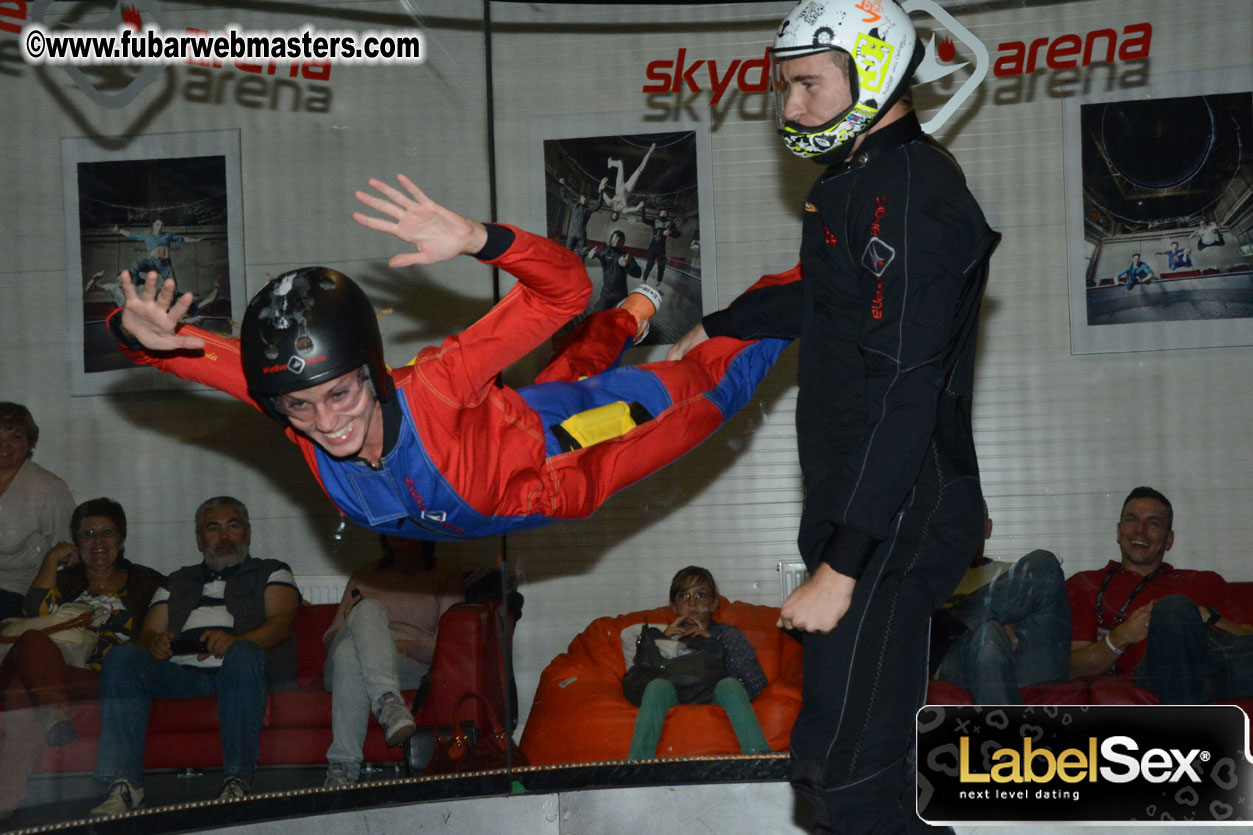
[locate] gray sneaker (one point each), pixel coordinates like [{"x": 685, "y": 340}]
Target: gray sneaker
[
  {"x": 60, "y": 729},
  {"x": 121, "y": 798},
  {"x": 234, "y": 787},
  {"x": 396, "y": 719},
  {"x": 337, "y": 777}
]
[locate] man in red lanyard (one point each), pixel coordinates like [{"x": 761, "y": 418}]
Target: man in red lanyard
[{"x": 1163, "y": 625}]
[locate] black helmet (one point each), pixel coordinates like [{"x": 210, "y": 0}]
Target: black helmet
[{"x": 306, "y": 327}]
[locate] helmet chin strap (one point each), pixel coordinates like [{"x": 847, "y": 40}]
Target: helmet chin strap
[
  {"x": 841, "y": 152},
  {"x": 915, "y": 60}
]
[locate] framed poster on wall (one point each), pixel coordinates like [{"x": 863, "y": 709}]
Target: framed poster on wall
[
  {"x": 167, "y": 205},
  {"x": 635, "y": 203},
  {"x": 1159, "y": 201}
]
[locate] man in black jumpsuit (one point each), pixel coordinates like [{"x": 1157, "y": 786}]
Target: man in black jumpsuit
[
  {"x": 893, "y": 259},
  {"x": 663, "y": 229},
  {"x": 615, "y": 264}
]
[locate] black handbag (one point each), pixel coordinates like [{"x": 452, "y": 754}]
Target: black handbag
[{"x": 694, "y": 675}]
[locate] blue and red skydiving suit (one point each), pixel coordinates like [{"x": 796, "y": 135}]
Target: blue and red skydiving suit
[{"x": 465, "y": 457}]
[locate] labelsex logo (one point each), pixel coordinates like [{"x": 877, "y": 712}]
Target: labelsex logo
[{"x": 1073, "y": 765}]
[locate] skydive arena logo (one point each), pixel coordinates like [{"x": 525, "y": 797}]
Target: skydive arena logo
[{"x": 1143, "y": 763}]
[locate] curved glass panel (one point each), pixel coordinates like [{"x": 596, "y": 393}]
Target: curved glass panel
[{"x": 557, "y": 636}]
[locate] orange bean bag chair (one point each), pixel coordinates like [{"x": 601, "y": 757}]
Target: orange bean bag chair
[{"x": 580, "y": 714}]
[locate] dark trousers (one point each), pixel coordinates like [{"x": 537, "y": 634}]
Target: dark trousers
[
  {"x": 1188, "y": 663},
  {"x": 613, "y": 289},
  {"x": 658, "y": 257},
  {"x": 852, "y": 745}
]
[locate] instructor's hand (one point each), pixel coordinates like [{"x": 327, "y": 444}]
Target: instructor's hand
[
  {"x": 818, "y": 604},
  {"x": 689, "y": 341},
  {"x": 437, "y": 233},
  {"x": 151, "y": 317}
]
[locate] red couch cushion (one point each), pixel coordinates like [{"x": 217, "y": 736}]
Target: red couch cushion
[
  {"x": 311, "y": 625},
  {"x": 183, "y": 715},
  {"x": 943, "y": 693},
  {"x": 1118, "y": 690},
  {"x": 309, "y": 708},
  {"x": 1056, "y": 693},
  {"x": 1242, "y": 596}
]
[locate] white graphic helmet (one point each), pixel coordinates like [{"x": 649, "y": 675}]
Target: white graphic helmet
[{"x": 881, "y": 43}]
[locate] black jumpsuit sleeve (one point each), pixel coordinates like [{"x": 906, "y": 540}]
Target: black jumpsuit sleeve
[{"x": 765, "y": 312}]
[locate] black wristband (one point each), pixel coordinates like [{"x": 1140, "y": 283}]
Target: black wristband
[
  {"x": 1214, "y": 616},
  {"x": 113, "y": 324},
  {"x": 499, "y": 239}
]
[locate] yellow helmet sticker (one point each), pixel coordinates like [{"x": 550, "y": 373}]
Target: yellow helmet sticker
[{"x": 873, "y": 57}]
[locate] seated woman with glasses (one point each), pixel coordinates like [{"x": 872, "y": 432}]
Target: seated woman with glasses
[
  {"x": 733, "y": 669},
  {"x": 37, "y": 683}
]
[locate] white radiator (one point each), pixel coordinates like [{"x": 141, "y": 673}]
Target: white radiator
[
  {"x": 791, "y": 574},
  {"x": 322, "y": 588}
]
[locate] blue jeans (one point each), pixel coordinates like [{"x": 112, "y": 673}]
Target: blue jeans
[
  {"x": 362, "y": 664},
  {"x": 1187, "y": 663},
  {"x": 1031, "y": 598},
  {"x": 132, "y": 678}
]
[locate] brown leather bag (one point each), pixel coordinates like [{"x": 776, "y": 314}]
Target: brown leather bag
[{"x": 464, "y": 747}]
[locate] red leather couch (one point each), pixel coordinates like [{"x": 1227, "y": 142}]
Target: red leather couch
[
  {"x": 580, "y": 714},
  {"x": 183, "y": 733},
  {"x": 1097, "y": 690}
]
